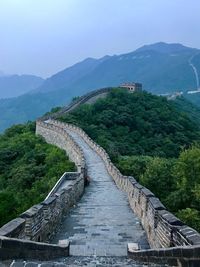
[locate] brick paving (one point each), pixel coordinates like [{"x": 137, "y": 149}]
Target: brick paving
[{"x": 102, "y": 223}]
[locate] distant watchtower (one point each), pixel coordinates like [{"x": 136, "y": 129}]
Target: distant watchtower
[{"x": 132, "y": 87}]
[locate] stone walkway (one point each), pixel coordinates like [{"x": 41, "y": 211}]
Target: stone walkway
[
  {"x": 81, "y": 262},
  {"x": 102, "y": 223}
]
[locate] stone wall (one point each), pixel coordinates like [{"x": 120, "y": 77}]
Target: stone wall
[
  {"x": 176, "y": 256},
  {"x": 40, "y": 222},
  {"x": 89, "y": 98},
  {"x": 59, "y": 137},
  {"x": 162, "y": 227},
  {"x": 11, "y": 248}
]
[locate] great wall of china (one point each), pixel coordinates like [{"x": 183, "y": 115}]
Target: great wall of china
[{"x": 171, "y": 242}]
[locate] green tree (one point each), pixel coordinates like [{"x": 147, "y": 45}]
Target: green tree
[
  {"x": 187, "y": 171},
  {"x": 29, "y": 168},
  {"x": 158, "y": 177}
]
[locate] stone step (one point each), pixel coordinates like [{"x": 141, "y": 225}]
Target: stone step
[{"x": 81, "y": 261}]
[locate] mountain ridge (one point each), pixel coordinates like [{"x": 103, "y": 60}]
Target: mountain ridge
[
  {"x": 157, "y": 67},
  {"x": 16, "y": 85},
  {"x": 165, "y": 47},
  {"x": 109, "y": 70}
]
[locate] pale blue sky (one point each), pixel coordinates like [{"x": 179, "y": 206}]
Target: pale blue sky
[{"x": 42, "y": 37}]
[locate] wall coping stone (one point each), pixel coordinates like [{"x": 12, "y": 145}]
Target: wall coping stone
[
  {"x": 12, "y": 227},
  {"x": 147, "y": 192},
  {"x": 138, "y": 186},
  {"x": 170, "y": 218},
  {"x": 48, "y": 201},
  {"x": 32, "y": 211},
  {"x": 175, "y": 256},
  {"x": 155, "y": 202}
]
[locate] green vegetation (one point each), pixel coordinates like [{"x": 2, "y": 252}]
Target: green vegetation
[
  {"x": 29, "y": 168},
  {"x": 136, "y": 124},
  {"x": 192, "y": 110},
  {"x": 175, "y": 181},
  {"x": 194, "y": 98},
  {"x": 152, "y": 139},
  {"x": 152, "y": 65}
]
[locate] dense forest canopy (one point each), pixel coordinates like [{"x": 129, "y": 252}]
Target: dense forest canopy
[
  {"x": 29, "y": 168},
  {"x": 152, "y": 139},
  {"x": 136, "y": 124}
]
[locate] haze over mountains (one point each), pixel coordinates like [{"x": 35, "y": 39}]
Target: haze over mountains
[
  {"x": 15, "y": 85},
  {"x": 161, "y": 67}
]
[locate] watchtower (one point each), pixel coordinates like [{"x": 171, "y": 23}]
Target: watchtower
[{"x": 132, "y": 87}]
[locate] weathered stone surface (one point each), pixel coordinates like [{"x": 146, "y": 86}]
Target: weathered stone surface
[
  {"x": 102, "y": 223},
  {"x": 159, "y": 230},
  {"x": 147, "y": 192},
  {"x": 15, "y": 249},
  {"x": 95, "y": 224},
  {"x": 133, "y": 247},
  {"x": 13, "y": 228},
  {"x": 157, "y": 205},
  {"x": 90, "y": 261},
  {"x": 170, "y": 218},
  {"x": 175, "y": 256}
]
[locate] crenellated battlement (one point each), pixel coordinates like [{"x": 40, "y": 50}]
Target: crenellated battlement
[
  {"x": 166, "y": 233},
  {"x": 162, "y": 227}
]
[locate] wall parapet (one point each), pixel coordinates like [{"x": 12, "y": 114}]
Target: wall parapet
[
  {"x": 174, "y": 256},
  {"x": 162, "y": 227},
  {"x": 59, "y": 137},
  {"x": 39, "y": 222},
  {"x": 81, "y": 100},
  {"x": 12, "y": 248}
]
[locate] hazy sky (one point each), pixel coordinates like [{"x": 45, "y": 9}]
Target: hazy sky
[{"x": 42, "y": 37}]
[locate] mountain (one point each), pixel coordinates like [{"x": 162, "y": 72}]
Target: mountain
[
  {"x": 185, "y": 105},
  {"x": 160, "y": 67},
  {"x": 15, "y": 85},
  {"x": 194, "y": 98},
  {"x": 165, "y": 48},
  {"x": 70, "y": 75}
]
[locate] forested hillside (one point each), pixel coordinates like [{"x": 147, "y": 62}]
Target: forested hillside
[
  {"x": 194, "y": 98},
  {"x": 150, "y": 138},
  {"x": 160, "y": 67},
  {"x": 192, "y": 110},
  {"x": 29, "y": 168}
]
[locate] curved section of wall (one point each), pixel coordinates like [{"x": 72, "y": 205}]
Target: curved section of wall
[
  {"x": 39, "y": 223},
  {"x": 89, "y": 98},
  {"x": 55, "y": 135},
  {"x": 162, "y": 227}
]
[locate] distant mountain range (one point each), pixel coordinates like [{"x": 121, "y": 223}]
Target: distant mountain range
[
  {"x": 16, "y": 85},
  {"x": 161, "y": 67}
]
